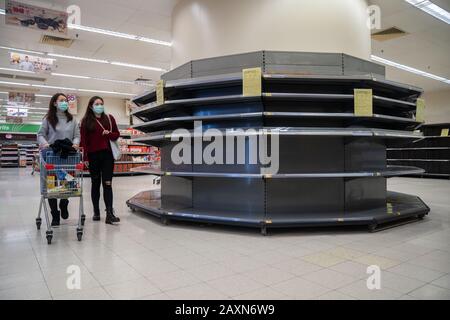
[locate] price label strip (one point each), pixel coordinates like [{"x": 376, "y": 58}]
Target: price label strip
[
  {"x": 444, "y": 132},
  {"x": 160, "y": 92},
  {"x": 420, "y": 110},
  {"x": 251, "y": 82},
  {"x": 363, "y": 102}
]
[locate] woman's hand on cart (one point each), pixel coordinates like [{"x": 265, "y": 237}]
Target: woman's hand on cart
[
  {"x": 76, "y": 146},
  {"x": 86, "y": 164}
]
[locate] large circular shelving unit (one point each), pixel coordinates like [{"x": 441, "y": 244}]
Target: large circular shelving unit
[{"x": 332, "y": 163}]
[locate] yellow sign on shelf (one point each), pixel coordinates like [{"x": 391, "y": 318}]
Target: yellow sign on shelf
[
  {"x": 160, "y": 92},
  {"x": 251, "y": 82},
  {"x": 444, "y": 132},
  {"x": 420, "y": 110},
  {"x": 363, "y": 102}
]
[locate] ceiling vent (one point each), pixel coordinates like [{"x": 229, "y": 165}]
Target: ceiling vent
[
  {"x": 389, "y": 34},
  {"x": 56, "y": 41},
  {"x": 21, "y": 77}
]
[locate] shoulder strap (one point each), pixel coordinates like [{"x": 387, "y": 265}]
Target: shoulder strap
[
  {"x": 110, "y": 124},
  {"x": 100, "y": 124}
]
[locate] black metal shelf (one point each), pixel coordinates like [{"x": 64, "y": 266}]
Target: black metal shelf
[
  {"x": 328, "y": 155},
  {"x": 390, "y": 171}
]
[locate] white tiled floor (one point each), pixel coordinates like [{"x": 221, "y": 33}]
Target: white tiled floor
[{"x": 142, "y": 259}]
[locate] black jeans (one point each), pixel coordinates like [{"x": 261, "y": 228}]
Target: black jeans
[
  {"x": 101, "y": 169},
  {"x": 53, "y": 203}
]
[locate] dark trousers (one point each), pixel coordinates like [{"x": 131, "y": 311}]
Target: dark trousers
[
  {"x": 101, "y": 169},
  {"x": 53, "y": 203}
]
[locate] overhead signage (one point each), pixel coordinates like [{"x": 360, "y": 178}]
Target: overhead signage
[
  {"x": 30, "y": 63},
  {"x": 34, "y": 17}
]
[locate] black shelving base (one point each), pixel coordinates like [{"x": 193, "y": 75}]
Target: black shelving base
[{"x": 403, "y": 207}]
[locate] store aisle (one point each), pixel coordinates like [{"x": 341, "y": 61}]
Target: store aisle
[{"x": 142, "y": 259}]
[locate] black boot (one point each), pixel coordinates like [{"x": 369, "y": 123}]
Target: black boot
[
  {"x": 63, "y": 203},
  {"x": 54, "y": 211},
  {"x": 96, "y": 216},
  {"x": 110, "y": 217}
]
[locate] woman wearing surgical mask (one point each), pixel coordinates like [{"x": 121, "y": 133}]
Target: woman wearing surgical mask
[
  {"x": 97, "y": 130},
  {"x": 58, "y": 124}
]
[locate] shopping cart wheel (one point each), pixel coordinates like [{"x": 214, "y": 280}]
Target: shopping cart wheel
[
  {"x": 421, "y": 216},
  {"x": 79, "y": 234},
  {"x": 372, "y": 227},
  {"x": 264, "y": 230},
  {"x": 83, "y": 218},
  {"x": 38, "y": 223},
  {"x": 165, "y": 221},
  {"x": 49, "y": 236}
]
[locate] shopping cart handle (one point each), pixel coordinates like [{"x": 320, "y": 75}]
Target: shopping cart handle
[
  {"x": 50, "y": 166},
  {"x": 80, "y": 166}
]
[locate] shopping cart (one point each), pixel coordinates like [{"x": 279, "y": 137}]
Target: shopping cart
[{"x": 61, "y": 178}]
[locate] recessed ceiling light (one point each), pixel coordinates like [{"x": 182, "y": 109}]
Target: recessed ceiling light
[
  {"x": 410, "y": 69},
  {"x": 432, "y": 9}
]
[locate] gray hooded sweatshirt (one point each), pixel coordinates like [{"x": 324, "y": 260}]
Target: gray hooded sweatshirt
[{"x": 47, "y": 134}]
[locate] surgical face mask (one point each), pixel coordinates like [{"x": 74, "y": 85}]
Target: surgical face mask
[
  {"x": 63, "y": 106},
  {"x": 98, "y": 108}
]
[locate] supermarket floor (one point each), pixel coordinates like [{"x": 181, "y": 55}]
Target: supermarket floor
[{"x": 142, "y": 259}]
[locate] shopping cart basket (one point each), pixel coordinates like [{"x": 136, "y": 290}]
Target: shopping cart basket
[{"x": 61, "y": 178}]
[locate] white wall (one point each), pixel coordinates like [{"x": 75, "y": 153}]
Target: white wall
[
  {"x": 208, "y": 28},
  {"x": 113, "y": 106},
  {"x": 437, "y": 106}
]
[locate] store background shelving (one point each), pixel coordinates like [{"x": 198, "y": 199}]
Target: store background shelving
[
  {"x": 432, "y": 153},
  {"x": 9, "y": 155},
  {"x": 134, "y": 155}
]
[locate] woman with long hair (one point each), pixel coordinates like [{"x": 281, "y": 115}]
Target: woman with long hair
[
  {"x": 97, "y": 131},
  {"x": 58, "y": 124}
]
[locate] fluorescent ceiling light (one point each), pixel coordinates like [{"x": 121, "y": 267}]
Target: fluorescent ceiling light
[
  {"x": 432, "y": 9},
  {"x": 136, "y": 66},
  {"x": 52, "y": 87},
  {"x": 14, "y": 83},
  {"x": 113, "y": 33},
  {"x": 76, "y": 58},
  {"x": 409, "y": 69},
  {"x": 101, "y": 91},
  {"x": 22, "y": 50},
  {"x": 16, "y": 70},
  {"x": 63, "y": 88},
  {"x": 94, "y": 78},
  {"x": 69, "y": 75},
  {"x": 118, "y": 34},
  {"x": 123, "y": 64},
  {"x": 43, "y": 95}
]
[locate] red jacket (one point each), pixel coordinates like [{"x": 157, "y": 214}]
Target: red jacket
[{"x": 92, "y": 141}]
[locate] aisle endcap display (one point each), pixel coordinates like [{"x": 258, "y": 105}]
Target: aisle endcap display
[
  {"x": 432, "y": 152},
  {"x": 332, "y": 122}
]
